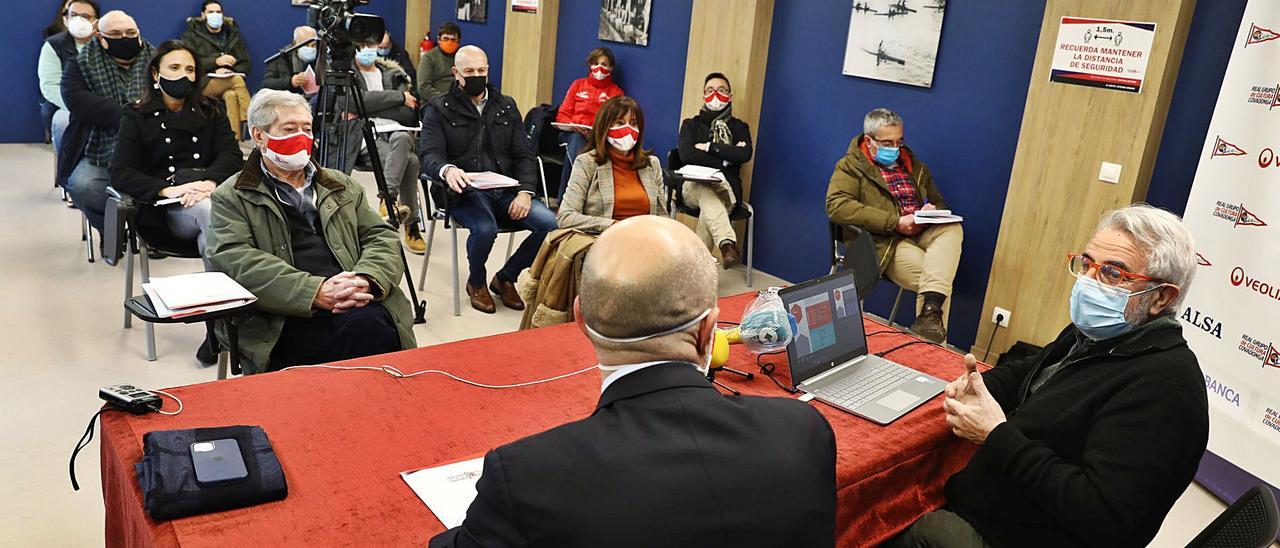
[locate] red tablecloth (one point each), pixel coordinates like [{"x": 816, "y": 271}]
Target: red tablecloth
[{"x": 343, "y": 437}]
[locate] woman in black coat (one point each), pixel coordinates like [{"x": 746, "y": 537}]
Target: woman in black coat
[{"x": 174, "y": 144}]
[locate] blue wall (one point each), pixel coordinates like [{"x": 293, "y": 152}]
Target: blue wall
[
  {"x": 1204, "y": 62},
  {"x": 653, "y": 75},
  {"x": 965, "y": 128},
  {"x": 266, "y": 25},
  {"x": 488, "y": 35}
]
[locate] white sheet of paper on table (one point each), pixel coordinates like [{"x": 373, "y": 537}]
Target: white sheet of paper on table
[{"x": 447, "y": 490}]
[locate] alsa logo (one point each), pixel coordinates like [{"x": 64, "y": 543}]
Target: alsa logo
[
  {"x": 1265, "y": 352},
  {"x": 1223, "y": 390},
  {"x": 1240, "y": 279},
  {"x": 1265, "y": 96},
  {"x": 1237, "y": 214},
  {"x": 1200, "y": 260},
  {"x": 1258, "y": 35},
  {"x": 1203, "y": 321},
  {"x": 1225, "y": 148}
]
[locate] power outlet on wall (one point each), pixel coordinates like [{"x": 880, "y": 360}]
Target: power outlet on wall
[{"x": 1001, "y": 317}]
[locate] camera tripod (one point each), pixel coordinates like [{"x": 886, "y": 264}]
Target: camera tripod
[{"x": 340, "y": 82}]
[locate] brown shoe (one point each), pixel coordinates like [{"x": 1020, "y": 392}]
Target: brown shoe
[
  {"x": 928, "y": 324},
  {"x": 730, "y": 256},
  {"x": 481, "y": 300},
  {"x": 507, "y": 291}
]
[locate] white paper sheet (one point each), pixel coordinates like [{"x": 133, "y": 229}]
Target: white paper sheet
[
  {"x": 200, "y": 289},
  {"x": 701, "y": 173},
  {"x": 447, "y": 489},
  {"x": 486, "y": 180}
]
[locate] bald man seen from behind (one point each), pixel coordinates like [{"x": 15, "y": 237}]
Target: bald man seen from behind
[{"x": 665, "y": 459}]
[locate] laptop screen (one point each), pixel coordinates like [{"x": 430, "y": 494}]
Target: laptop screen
[{"x": 829, "y": 318}]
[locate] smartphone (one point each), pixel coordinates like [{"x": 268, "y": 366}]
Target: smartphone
[{"x": 218, "y": 461}]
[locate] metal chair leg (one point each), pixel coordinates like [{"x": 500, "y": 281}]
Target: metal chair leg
[
  {"x": 893, "y": 314},
  {"x": 426, "y": 257},
  {"x": 146, "y": 278},
  {"x": 457, "y": 299},
  {"x": 128, "y": 279},
  {"x": 88, "y": 233},
  {"x": 751, "y": 247}
]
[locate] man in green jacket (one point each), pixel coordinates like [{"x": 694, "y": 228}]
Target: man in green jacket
[
  {"x": 878, "y": 186},
  {"x": 435, "y": 69},
  {"x": 324, "y": 266}
]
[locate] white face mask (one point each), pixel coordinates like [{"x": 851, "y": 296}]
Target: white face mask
[{"x": 79, "y": 27}]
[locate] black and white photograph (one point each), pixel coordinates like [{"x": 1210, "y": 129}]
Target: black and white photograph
[
  {"x": 473, "y": 11},
  {"x": 625, "y": 21},
  {"x": 894, "y": 40}
]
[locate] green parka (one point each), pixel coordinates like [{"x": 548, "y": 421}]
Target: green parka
[
  {"x": 858, "y": 195},
  {"x": 249, "y": 241}
]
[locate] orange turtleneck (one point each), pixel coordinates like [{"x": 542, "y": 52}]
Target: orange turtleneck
[{"x": 629, "y": 196}]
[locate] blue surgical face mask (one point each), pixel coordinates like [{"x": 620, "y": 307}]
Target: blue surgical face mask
[
  {"x": 307, "y": 54},
  {"x": 366, "y": 56},
  {"x": 214, "y": 20},
  {"x": 1098, "y": 310},
  {"x": 886, "y": 156},
  {"x": 383, "y": 52}
]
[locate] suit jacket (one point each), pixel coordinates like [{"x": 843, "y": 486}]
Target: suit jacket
[
  {"x": 665, "y": 460},
  {"x": 588, "y": 199}
]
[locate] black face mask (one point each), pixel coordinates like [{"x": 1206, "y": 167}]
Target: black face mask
[
  {"x": 178, "y": 88},
  {"x": 124, "y": 49},
  {"x": 474, "y": 85}
]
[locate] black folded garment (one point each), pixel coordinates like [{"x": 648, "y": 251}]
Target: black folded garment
[{"x": 168, "y": 479}]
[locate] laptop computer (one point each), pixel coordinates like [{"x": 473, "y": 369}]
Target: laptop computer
[{"x": 829, "y": 358}]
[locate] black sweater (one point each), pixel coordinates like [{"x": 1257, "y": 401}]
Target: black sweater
[
  {"x": 1098, "y": 455},
  {"x": 726, "y": 158}
]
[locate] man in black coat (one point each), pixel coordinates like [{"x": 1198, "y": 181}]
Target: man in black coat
[
  {"x": 1089, "y": 442},
  {"x": 475, "y": 129},
  {"x": 289, "y": 72},
  {"x": 388, "y": 49},
  {"x": 714, "y": 138},
  {"x": 665, "y": 459}
]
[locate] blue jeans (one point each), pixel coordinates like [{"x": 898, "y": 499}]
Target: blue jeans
[
  {"x": 573, "y": 144},
  {"x": 89, "y": 191},
  {"x": 59, "y": 126},
  {"x": 481, "y": 211}
]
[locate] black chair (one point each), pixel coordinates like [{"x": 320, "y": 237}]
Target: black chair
[
  {"x": 1250, "y": 522},
  {"x": 438, "y": 205},
  {"x": 860, "y": 255},
  {"x": 122, "y": 238},
  {"x": 742, "y": 211},
  {"x": 545, "y": 139},
  {"x": 141, "y": 307}
]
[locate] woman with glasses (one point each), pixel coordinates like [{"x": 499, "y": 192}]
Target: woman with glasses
[{"x": 714, "y": 138}]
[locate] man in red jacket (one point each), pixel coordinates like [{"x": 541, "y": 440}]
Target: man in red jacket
[{"x": 581, "y": 103}]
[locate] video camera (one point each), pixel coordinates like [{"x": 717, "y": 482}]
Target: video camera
[{"x": 340, "y": 27}]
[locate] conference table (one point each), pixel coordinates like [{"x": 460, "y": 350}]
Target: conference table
[{"x": 343, "y": 437}]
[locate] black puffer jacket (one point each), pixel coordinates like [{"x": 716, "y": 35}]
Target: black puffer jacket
[
  {"x": 1098, "y": 455},
  {"x": 454, "y": 132}
]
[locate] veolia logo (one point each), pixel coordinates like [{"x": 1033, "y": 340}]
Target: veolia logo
[{"x": 1239, "y": 278}]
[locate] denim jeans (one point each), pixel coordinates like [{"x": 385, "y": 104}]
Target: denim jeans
[
  {"x": 59, "y": 126},
  {"x": 89, "y": 191},
  {"x": 481, "y": 212},
  {"x": 573, "y": 144}
]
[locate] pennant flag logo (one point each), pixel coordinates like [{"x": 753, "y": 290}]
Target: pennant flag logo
[
  {"x": 1273, "y": 357},
  {"x": 1224, "y": 148},
  {"x": 1247, "y": 218},
  {"x": 1258, "y": 35},
  {"x": 1200, "y": 260}
]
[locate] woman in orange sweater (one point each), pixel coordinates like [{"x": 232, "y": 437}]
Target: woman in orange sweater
[
  {"x": 582, "y": 102},
  {"x": 615, "y": 178}
]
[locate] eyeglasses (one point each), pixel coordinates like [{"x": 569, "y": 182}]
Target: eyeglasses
[
  {"x": 117, "y": 34},
  {"x": 70, "y": 15},
  {"x": 1079, "y": 265},
  {"x": 891, "y": 144},
  {"x": 721, "y": 90}
]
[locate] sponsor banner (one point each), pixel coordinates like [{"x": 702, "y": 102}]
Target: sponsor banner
[
  {"x": 1102, "y": 53},
  {"x": 1231, "y": 311}
]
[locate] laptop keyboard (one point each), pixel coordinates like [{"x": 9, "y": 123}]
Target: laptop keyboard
[{"x": 867, "y": 384}]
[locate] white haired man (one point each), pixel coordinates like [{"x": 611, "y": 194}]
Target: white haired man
[
  {"x": 878, "y": 186},
  {"x": 1089, "y": 442},
  {"x": 325, "y": 267}
]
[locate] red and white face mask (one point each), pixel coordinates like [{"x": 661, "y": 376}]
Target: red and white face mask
[
  {"x": 599, "y": 72},
  {"x": 624, "y": 137},
  {"x": 291, "y": 152},
  {"x": 716, "y": 101}
]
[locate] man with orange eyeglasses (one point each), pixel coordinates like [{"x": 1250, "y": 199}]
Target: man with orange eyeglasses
[
  {"x": 435, "y": 69},
  {"x": 1089, "y": 442}
]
